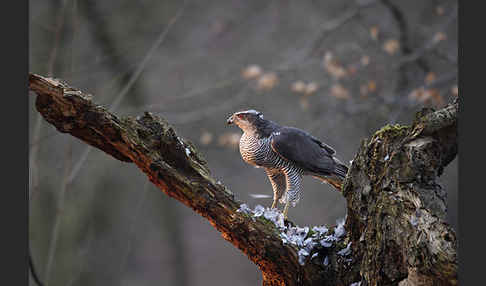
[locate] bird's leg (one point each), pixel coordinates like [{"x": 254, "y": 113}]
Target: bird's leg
[
  {"x": 274, "y": 204},
  {"x": 286, "y": 209},
  {"x": 277, "y": 179}
]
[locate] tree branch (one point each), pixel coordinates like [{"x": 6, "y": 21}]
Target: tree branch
[
  {"x": 396, "y": 210},
  {"x": 395, "y": 227},
  {"x": 33, "y": 271}
]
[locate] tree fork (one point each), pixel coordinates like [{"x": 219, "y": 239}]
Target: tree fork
[{"x": 395, "y": 209}]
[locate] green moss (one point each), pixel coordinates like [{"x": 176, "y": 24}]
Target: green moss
[
  {"x": 419, "y": 116},
  {"x": 395, "y": 130},
  {"x": 266, "y": 222},
  {"x": 269, "y": 225},
  {"x": 311, "y": 233}
]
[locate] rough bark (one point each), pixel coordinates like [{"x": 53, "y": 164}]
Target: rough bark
[
  {"x": 395, "y": 226},
  {"x": 396, "y": 210}
]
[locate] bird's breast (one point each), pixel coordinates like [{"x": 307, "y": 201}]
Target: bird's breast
[{"x": 253, "y": 150}]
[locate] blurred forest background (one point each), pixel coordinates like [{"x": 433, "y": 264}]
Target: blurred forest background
[{"x": 338, "y": 69}]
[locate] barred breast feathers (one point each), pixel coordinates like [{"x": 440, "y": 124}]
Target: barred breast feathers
[{"x": 257, "y": 151}]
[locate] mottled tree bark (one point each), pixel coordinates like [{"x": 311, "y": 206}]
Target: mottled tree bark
[{"x": 395, "y": 226}]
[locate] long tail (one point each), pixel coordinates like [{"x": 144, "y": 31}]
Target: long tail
[
  {"x": 341, "y": 170},
  {"x": 336, "y": 178}
]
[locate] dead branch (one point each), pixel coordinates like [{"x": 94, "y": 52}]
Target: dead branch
[{"x": 394, "y": 232}]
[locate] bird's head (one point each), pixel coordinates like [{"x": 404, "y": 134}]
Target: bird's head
[{"x": 247, "y": 120}]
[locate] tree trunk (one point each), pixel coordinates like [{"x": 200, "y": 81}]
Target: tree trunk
[{"x": 394, "y": 233}]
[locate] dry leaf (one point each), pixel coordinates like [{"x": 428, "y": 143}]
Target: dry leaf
[
  {"x": 430, "y": 77},
  {"x": 391, "y": 46},
  {"x": 374, "y": 32},
  {"x": 299, "y": 86},
  {"x": 206, "y": 138},
  {"x": 267, "y": 81},
  {"x": 229, "y": 139},
  {"x": 365, "y": 60},
  {"x": 455, "y": 90},
  {"x": 333, "y": 67},
  {"x": 339, "y": 91},
  {"x": 416, "y": 94},
  {"x": 427, "y": 96},
  {"x": 328, "y": 57},
  {"x": 304, "y": 103},
  {"x": 352, "y": 70},
  {"x": 251, "y": 71},
  {"x": 363, "y": 89},
  {"x": 311, "y": 88},
  {"x": 371, "y": 86},
  {"x": 439, "y": 10},
  {"x": 439, "y": 36},
  {"x": 432, "y": 96}
]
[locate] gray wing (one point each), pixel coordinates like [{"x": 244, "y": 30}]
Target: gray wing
[{"x": 304, "y": 150}]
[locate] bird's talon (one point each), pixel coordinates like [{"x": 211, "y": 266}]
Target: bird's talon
[{"x": 288, "y": 223}]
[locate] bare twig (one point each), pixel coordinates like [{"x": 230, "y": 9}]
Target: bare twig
[
  {"x": 147, "y": 57},
  {"x": 403, "y": 101},
  {"x": 131, "y": 230},
  {"x": 195, "y": 115},
  {"x": 174, "y": 224},
  {"x": 333, "y": 24},
  {"x": 59, "y": 26},
  {"x": 82, "y": 256},
  {"x": 117, "y": 63},
  {"x": 405, "y": 46},
  {"x": 33, "y": 271},
  {"x": 59, "y": 211},
  {"x": 431, "y": 43},
  {"x": 329, "y": 26},
  {"x": 33, "y": 174},
  {"x": 126, "y": 88},
  {"x": 34, "y": 149}
]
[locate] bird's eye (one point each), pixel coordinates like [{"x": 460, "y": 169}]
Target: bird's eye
[{"x": 240, "y": 116}]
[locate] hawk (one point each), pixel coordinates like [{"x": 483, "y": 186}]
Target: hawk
[{"x": 287, "y": 154}]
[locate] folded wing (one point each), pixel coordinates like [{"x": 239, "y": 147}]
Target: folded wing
[{"x": 304, "y": 150}]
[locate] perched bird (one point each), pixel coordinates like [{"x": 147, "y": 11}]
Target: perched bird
[{"x": 287, "y": 154}]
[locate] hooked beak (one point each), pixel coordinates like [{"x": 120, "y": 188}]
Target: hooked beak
[{"x": 230, "y": 119}]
